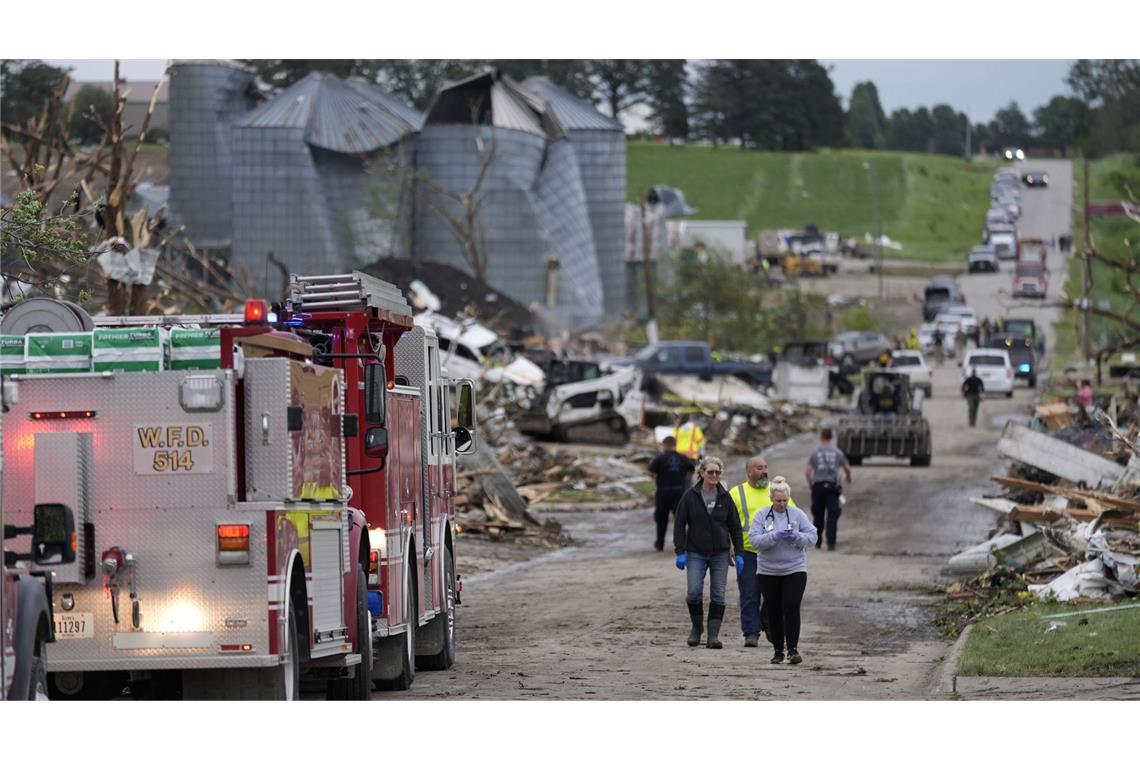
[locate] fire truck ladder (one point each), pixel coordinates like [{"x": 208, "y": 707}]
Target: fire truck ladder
[{"x": 345, "y": 292}]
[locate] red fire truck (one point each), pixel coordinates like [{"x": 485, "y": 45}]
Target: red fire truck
[{"x": 283, "y": 513}]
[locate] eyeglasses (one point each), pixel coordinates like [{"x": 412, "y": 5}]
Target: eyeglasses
[{"x": 712, "y": 472}]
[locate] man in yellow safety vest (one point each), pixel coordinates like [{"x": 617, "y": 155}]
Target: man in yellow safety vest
[
  {"x": 690, "y": 439},
  {"x": 750, "y": 497}
]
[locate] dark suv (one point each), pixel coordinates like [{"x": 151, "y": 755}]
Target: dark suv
[{"x": 1022, "y": 355}]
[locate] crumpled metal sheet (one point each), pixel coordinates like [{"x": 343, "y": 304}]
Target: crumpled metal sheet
[{"x": 135, "y": 267}]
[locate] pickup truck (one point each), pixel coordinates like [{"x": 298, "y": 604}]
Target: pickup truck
[{"x": 682, "y": 357}]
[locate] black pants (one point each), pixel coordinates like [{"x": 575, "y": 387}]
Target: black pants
[
  {"x": 972, "y": 407},
  {"x": 825, "y": 510},
  {"x": 666, "y": 499},
  {"x": 783, "y": 595}
]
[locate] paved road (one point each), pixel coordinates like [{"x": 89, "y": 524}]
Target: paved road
[
  {"x": 607, "y": 620},
  {"x": 1045, "y": 214}
]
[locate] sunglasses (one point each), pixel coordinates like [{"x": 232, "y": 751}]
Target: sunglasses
[{"x": 712, "y": 472}]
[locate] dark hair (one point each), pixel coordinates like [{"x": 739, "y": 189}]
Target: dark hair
[
  {"x": 669, "y": 440},
  {"x": 825, "y": 434}
]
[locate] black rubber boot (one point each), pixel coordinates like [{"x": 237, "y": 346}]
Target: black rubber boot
[
  {"x": 697, "y": 615},
  {"x": 716, "y": 615}
]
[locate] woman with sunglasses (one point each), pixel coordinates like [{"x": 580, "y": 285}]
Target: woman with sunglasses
[
  {"x": 706, "y": 526},
  {"x": 781, "y": 534}
]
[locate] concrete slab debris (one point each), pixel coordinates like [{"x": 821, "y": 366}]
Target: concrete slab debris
[{"x": 1057, "y": 457}]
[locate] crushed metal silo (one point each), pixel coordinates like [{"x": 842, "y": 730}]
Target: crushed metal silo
[
  {"x": 305, "y": 188},
  {"x": 206, "y": 99},
  {"x": 600, "y": 148},
  {"x": 532, "y": 224}
]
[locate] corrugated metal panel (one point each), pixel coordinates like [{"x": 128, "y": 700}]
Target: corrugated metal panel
[
  {"x": 508, "y": 113},
  {"x": 342, "y": 117},
  {"x": 511, "y": 107},
  {"x": 290, "y": 109},
  {"x": 396, "y": 107},
  {"x": 572, "y": 111}
]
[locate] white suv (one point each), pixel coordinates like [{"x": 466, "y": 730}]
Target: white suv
[
  {"x": 911, "y": 364},
  {"x": 993, "y": 367}
]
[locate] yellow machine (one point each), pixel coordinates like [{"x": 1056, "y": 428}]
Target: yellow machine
[{"x": 796, "y": 265}]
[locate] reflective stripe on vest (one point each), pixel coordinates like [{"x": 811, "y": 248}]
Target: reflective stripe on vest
[{"x": 744, "y": 506}]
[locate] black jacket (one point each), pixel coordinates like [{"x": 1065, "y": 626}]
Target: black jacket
[
  {"x": 696, "y": 529},
  {"x": 973, "y": 386}
]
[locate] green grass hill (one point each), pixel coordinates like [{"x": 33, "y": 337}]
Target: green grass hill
[{"x": 933, "y": 205}]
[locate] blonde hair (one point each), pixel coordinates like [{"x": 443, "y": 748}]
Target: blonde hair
[
  {"x": 780, "y": 485},
  {"x": 704, "y": 465}
]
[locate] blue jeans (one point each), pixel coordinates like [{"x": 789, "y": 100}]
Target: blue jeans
[
  {"x": 749, "y": 586},
  {"x": 717, "y": 567}
]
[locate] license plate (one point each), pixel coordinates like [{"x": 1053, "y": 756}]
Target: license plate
[{"x": 74, "y": 625}]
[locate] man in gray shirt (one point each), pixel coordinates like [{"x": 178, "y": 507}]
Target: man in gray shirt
[{"x": 822, "y": 474}]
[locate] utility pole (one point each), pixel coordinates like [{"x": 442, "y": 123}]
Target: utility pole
[{"x": 1086, "y": 272}]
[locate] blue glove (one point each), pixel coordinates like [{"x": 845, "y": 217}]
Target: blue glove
[
  {"x": 739, "y": 565},
  {"x": 788, "y": 535},
  {"x": 682, "y": 558}
]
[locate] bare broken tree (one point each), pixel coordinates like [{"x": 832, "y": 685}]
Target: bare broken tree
[{"x": 460, "y": 210}]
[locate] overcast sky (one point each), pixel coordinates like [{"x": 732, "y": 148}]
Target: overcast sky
[{"x": 979, "y": 88}]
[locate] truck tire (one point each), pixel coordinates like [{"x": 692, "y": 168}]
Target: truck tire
[
  {"x": 920, "y": 460},
  {"x": 38, "y": 688},
  {"x": 445, "y": 621},
  {"x": 1009, "y": 393},
  {"x": 407, "y": 675},
  {"x": 281, "y": 683},
  {"x": 1033, "y": 381},
  {"x": 854, "y": 461},
  {"x": 359, "y": 687}
]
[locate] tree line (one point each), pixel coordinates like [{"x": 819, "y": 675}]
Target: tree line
[{"x": 764, "y": 104}]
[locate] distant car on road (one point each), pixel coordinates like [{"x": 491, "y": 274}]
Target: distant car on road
[
  {"x": 993, "y": 367},
  {"x": 859, "y": 347},
  {"x": 968, "y": 318},
  {"x": 1030, "y": 281},
  {"x": 982, "y": 258},
  {"x": 1021, "y": 327},
  {"x": 1004, "y": 241},
  {"x": 1035, "y": 179},
  {"x": 1014, "y": 154},
  {"x": 1021, "y": 356},
  {"x": 913, "y": 365},
  {"x": 926, "y": 339}
]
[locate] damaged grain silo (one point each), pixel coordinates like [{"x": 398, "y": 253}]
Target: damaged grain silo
[
  {"x": 600, "y": 147},
  {"x": 206, "y": 98},
  {"x": 533, "y": 227},
  {"x": 302, "y": 186}
]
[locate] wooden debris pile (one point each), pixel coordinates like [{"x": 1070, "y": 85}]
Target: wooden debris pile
[
  {"x": 1071, "y": 510},
  {"x": 746, "y": 431},
  {"x": 495, "y": 491}
]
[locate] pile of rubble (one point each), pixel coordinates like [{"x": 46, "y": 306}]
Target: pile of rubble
[
  {"x": 1071, "y": 509},
  {"x": 497, "y": 487},
  {"x": 741, "y": 430}
]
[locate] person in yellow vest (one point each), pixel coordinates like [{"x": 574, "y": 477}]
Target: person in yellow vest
[
  {"x": 912, "y": 340},
  {"x": 690, "y": 439},
  {"x": 750, "y": 497}
]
